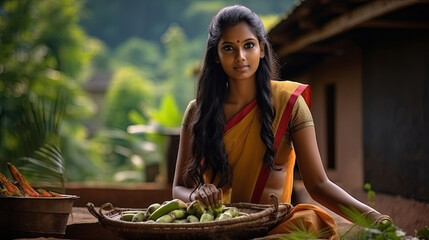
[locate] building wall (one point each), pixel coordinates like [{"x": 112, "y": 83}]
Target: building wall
[
  {"x": 396, "y": 113},
  {"x": 344, "y": 73},
  {"x": 381, "y": 112}
]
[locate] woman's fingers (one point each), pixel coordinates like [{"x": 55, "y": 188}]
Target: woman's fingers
[
  {"x": 208, "y": 190},
  {"x": 220, "y": 197},
  {"x": 209, "y": 195},
  {"x": 202, "y": 196},
  {"x": 214, "y": 198}
]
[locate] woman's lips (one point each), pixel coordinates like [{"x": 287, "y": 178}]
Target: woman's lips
[{"x": 241, "y": 68}]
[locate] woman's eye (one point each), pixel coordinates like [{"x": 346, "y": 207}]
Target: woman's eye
[
  {"x": 249, "y": 45},
  {"x": 228, "y": 48}
]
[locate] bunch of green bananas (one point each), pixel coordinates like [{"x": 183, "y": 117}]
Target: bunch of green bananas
[{"x": 177, "y": 211}]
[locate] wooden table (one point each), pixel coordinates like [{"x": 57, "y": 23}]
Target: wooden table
[{"x": 82, "y": 225}]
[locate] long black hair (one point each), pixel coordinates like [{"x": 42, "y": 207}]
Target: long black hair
[{"x": 212, "y": 89}]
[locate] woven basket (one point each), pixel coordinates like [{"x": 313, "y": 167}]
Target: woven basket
[{"x": 261, "y": 219}]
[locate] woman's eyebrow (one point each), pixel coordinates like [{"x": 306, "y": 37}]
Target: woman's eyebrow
[
  {"x": 249, "y": 39},
  {"x": 228, "y": 42}
]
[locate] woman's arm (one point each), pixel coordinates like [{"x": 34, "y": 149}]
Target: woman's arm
[
  {"x": 182, "y": 188},
  {"x": 316, "y": 181}
]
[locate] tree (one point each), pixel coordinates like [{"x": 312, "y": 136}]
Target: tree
[
  {"x": 177, "y": 66},
  {"x": 138, "y": 52},
  {"x": 127, "y": 92},
  {"x": 43, "y": 51}
]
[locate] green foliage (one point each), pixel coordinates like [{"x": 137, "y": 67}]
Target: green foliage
[
  {"x": 42, "y": 47},
  {"x": 120, "y": 148},
  {"x": 85, "y": 157},
  {"x": 382, "y": 231},
  {"x": 130, "y": 98},
  {"x": 163, "y": 119},
  {"x": 68, "y": 43},
  {"x": 366, "y": 229},
  {"x": 357, "y": 217},
  {"x": 125, "y": 155},
  {"x": 203, "y": 8},
  {"x": 138, "y": 52},
  {"x": 169, "y": 114},
  {"x": 174, "y": 40},
  {"x": 299, "y": 231},
  {"x": 128, "y": 92},
  {"x": 423, "y": 233},
  {"x": 197, "y": 16},
  {"x": 123, "y": 19},
  {"x": 39, "y": 135},
  {"x": 46, "y": 34},
  {"x": 270, "y": 21},
  {"x": 370, "y": 194},
  {"x": 102, "y": 61},
  {"x": 45, "y": 50},
  {"x": 363, "y": 229},
  {"x": 178, "y": 81}
]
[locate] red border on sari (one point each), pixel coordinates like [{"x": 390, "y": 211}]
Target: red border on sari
[
  {"x": 264, "y": 173},
  {"x": 239, "y": 116}
]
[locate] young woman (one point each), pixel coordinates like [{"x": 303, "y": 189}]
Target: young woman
[{"x": 241, "y": 134}]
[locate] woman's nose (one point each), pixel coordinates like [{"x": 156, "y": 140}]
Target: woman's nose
[{"x": 239, "y": 56}]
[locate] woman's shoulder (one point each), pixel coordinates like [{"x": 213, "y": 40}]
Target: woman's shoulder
[
  {"x": 282, "y": 91},
  {"x": 189, "y": 113},
  {"x": 285, "y": 87},
  {"x": 192, "y": 105}
]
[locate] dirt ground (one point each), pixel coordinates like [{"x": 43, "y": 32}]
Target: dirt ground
[{"x": 407, "y": 214}]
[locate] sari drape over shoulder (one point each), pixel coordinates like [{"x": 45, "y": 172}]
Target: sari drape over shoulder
[{"x": 245, "y": 150}]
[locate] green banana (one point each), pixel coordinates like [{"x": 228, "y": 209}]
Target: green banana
[
  {"x": 165, "y": 219},
  {"x": 139, "y": 217},
  {"x": 178, "y": 214},
  {"x": 192, "y": 219},
  {"x": 218, "y": 210},
  {"x": 207, "y": 217},
  {"x": 233, "y": 211},
  {"x": 178, "y": 211},
  {"x": 127, "y": 216},
  {"x": 167, "y": 208},
  {"x": 180, "y": 221},
  {"x": 224, "y": 216},
  {"x": 153, "y": 207},
  {"x": 196, "y": 208},
  {"x": 192, "y": 208}
]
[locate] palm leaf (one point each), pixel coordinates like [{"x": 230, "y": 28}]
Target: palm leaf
[
  {"x": 39, "y": 132},
  {"x": 299, "y": 231}
]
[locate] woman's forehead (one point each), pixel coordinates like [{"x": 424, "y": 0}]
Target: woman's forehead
[{"x": 238, "y": 32}]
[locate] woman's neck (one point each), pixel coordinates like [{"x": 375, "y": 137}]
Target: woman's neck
[{"x": 241, "y": 93}]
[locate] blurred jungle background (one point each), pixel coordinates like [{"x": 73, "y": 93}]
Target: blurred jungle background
[
  {"x": 75, "y": 75},
  {"x": 92, "y": 93}
]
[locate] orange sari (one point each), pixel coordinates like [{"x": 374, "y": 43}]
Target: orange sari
[{"x": 245, "y": 150}]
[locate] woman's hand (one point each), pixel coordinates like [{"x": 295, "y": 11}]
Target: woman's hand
[
  {"x": 378, "y": 218},
  {"x": 210, "y": 195}
]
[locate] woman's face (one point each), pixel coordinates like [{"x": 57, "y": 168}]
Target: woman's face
[{"x": 239, "y": 52}]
